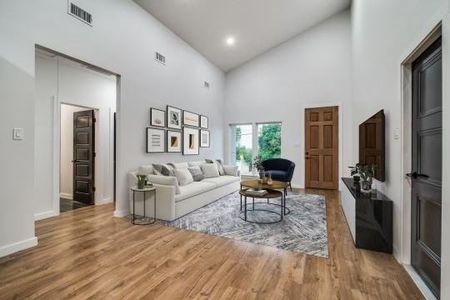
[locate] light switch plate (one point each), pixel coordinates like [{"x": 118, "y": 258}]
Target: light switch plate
[{"x": 18, "y": 134}]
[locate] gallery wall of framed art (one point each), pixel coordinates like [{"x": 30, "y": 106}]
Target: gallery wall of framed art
[{"x": 175, "y": 130}]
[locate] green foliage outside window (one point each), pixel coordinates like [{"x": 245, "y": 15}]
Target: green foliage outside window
[{"x": 269, "y": 141}]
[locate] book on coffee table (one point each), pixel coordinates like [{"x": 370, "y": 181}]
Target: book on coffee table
[{"x": 253, "y": 192}]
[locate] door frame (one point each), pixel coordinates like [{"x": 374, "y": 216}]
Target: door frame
[
  {"x": 406, "y": 156},
  {"x": 340, "y": 137},
  {"x": 56, "y": 135}
]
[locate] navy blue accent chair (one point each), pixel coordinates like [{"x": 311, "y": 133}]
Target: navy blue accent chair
[{"x": 280, "y": 169}]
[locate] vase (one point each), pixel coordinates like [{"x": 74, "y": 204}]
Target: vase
[
  {"x": 261, "y": 175},
  {"x": 366, "y": 186},
  {"x": 141, "y": 181}
]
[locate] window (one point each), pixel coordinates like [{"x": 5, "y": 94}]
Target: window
[
  {"x": 269, "y": 140},
  {"x": 250, "y": 140},
  {"x": 242, "y": 149}
]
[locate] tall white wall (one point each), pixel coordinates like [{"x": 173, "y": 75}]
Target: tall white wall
[
  {"x": 310, "y": 70},
  {"x": 123, "y": 39},
  {"x": 384, "y": 33},
  {"x": 66, "y": 167}
]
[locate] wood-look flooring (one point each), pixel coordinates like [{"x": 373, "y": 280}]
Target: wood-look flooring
[{"x": 87, "y": 253}]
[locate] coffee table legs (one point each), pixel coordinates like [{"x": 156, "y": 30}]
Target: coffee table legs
[{"x": 245, "y": 209}]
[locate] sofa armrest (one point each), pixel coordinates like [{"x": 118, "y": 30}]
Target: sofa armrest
[
  {"x": 165, "y": 202},
  {"x": 231, "y": 170}
]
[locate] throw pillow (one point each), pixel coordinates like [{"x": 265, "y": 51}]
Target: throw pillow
[
  {"x": 218, "y": 164},
  {"x": 210, "y": 170},
  {"x": 165, "y": 180},
  {"x": 146, "y": 170},
  {"x": 163, "y": 169},
  {"x": 184, "y": 177},
  {"x": 196, "y": 173}
]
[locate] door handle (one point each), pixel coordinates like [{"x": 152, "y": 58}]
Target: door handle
[
  {"x": 75, "y": 161},
  {"x": 416, "y": 175}
]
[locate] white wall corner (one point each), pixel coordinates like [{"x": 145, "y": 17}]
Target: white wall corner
[{"x": 18, "y": 246}]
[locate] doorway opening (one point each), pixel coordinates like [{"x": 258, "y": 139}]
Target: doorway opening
[{"x": 75, "y": 134}]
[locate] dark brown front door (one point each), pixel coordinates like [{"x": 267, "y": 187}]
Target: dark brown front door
[
  {"x": 321, "y": 147},
  {"x": 83, "y": 156},
  {"x": 426, "y": 175}
]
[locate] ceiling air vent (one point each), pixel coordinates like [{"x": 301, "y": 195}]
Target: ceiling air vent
[
  {"x": 79, "y": 13},
  {"x": 206, "y": 84},
  {"x": 160, "y": 58}
]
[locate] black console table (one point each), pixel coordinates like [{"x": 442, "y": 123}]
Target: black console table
[{"x": 369, "y": 216}]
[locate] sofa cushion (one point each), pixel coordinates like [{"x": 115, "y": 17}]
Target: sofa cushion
[
  {"x": 145, "y": 170},
  {"x": 184, "y": 177},
  {"x": 165, "y": 180},
  {"x": 182, "y": 165},
  {"x": 210, "y": 170},
  {"x": 193, "y": 189},
  {"x": 196, "y": 173},
  {"x": 163, "y": 169},
  {"x": 231, "y": 170},
  {"x": 196, "y": 163},
  {"x": 222, "y": 180}
]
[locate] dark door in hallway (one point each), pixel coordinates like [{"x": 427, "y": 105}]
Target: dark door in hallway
[
  {"x": 426, "y": 176},
  {"x": 321, "y": 147},
  {"x": 83, "y": 156}
]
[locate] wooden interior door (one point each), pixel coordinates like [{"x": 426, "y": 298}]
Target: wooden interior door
[
  {"x": 321, "y": 147},
  {"x": 426, "y": 173},
  {"x": 84, "y": 156}
]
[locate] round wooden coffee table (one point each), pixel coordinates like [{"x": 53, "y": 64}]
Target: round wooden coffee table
[
  {"x": 269, "y": 194},
  {"x": 276, "y": 185}
]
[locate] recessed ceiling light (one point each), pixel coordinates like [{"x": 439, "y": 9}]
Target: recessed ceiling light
[{"x": 230, "y": 41}]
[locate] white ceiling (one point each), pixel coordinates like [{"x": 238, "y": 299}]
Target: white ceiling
[{"x": 256, "y": 25}]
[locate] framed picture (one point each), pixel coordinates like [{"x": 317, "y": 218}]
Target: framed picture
[
  {"x": 173, "y": 117},
  {"x": 190, "y": 119},
  {"x": 190, "y": 141},
  {"x": 204, "y": 138},
  {"x": 155, "y": 140},
  {"x": 173, "y": 141},
  {"x": 157, "y": 117},
  {"x": 204, "y": 122}
]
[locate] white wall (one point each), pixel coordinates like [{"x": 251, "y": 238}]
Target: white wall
[
  {"x": 384, "y": 33},
  {"x": 123, "y": 40},
  {"x": 310, "y": 70}
]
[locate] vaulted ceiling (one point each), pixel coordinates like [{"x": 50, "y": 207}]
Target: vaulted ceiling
[{"x": 231, "y": 32}]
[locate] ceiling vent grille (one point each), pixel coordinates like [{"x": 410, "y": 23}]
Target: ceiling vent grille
[
  {"x": 79, "y": 13},
  {"x": 160, "y": 58}
]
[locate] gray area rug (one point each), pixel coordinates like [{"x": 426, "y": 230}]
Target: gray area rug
[{"x": 303, "y": 230}]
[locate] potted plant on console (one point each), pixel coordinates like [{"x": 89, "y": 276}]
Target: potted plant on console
[{"x": 366, "y": 173}]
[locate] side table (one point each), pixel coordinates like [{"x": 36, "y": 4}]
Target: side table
[{"x": 143, "y": 220}]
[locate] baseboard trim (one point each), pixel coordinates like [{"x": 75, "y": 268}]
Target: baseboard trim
[
  {"x": 120, "y": 213},
  {"x": 45, "y": 215},
  {"x": 426, "y": 292},
  {"x": 66, "y": 196},
  {"x": 104, "y": 201},
  {"x": 18, "y": 246}
]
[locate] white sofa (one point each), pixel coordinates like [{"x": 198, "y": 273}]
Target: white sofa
[{"x": 174, "y": 201}]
